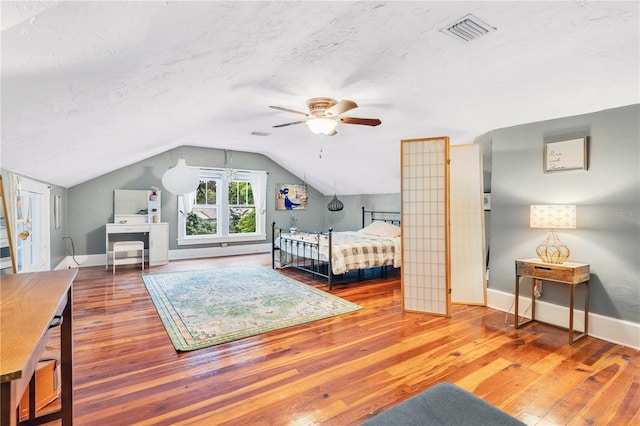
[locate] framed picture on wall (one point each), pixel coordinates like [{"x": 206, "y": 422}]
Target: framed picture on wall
[
  {"x": 291, "y": 196},
  {"x": 565, "y": 155}
]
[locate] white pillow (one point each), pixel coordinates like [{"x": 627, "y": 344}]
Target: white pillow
[{"x": 382, "y": 229}]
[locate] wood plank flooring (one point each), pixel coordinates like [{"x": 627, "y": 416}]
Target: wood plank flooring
[{"x": 337, "y": 371}]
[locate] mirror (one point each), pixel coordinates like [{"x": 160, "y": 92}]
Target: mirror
[
  {"x": 130, "y": 206},
  {"x": 7, "y": 256}
]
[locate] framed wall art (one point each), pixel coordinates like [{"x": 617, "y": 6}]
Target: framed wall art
[
  {"x": 565, "y": 155},
  {"x": 291, "y": 196}
]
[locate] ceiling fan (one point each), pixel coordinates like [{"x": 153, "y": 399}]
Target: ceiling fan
[{"x": 324, "y": 115}]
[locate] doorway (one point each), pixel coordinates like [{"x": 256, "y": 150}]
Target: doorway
[{"x": 32, "y": 213}]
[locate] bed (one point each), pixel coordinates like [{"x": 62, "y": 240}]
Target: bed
[{"x": 326, "y": 255}]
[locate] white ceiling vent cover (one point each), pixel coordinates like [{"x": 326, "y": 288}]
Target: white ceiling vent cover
[{"x": 467, "y": 28}]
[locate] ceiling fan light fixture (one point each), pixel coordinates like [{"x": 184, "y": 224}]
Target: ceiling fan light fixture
[
  {"x": 325, "y": 114},
  {"x": 322, "y": 126}
]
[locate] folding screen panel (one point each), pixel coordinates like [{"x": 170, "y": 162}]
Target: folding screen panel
[
  {"x": 468, "y": 279},
  {"x": 425, "y": 230}
]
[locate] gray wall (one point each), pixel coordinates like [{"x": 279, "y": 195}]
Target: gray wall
[
  {"x": 90, "y": 204},
  {"x": 350, "y": 217},
  {"x": 607, "y": 196}
]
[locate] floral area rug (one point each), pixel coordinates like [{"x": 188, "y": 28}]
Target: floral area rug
[{"x": 209, "y": 307}]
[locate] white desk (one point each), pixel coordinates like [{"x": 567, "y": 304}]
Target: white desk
[{"x": 158, "y": 240}]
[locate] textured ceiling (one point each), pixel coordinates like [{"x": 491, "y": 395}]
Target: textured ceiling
[{"x": 89, "y": 87}]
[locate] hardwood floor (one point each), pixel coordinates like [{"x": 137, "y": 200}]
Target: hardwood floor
[{"x": 337, "y": 371}]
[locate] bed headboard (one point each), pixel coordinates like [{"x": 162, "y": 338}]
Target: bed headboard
[{"x": 373, "y": 215}]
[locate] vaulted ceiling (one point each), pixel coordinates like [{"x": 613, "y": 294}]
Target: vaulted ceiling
[{"x": 89, "y": 87}]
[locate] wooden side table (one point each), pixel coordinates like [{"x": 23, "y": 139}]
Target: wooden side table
[{"x": 569, "y": 273}]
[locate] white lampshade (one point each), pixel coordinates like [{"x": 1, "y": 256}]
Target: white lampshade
[
  {"x": 552, "y": 216},
  {"x": 181, "y": 179},
  {"x": 322, "y": 126}
]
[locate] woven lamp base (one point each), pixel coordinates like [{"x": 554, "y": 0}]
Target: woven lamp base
[{"x": 552, "y": 250}]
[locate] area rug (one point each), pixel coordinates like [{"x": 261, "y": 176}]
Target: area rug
[{"x": 209, "y": 307}]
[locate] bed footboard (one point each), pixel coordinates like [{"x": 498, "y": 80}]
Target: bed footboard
[{"x": 301, "y": 250}]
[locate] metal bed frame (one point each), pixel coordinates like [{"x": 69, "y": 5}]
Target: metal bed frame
[{"x": 294, "y": 252}]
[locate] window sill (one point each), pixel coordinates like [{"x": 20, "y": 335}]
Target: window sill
[{"x": 189, "y": 241}]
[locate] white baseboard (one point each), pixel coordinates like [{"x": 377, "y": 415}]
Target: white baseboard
[
  {"x": 69, "y": 262},
  {"x": 606, "y": 328},
  {"x": 196, "y": 253}
]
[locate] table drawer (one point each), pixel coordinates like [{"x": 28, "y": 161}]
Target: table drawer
[{"x": 553, "y": 272}]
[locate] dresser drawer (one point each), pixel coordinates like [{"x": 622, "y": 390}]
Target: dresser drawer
[
  {"x": 130, "y": 219},
  {"x": 121, "y": 229}
]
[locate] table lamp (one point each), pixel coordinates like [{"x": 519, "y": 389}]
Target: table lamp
[{"x": 552, "y": 217}]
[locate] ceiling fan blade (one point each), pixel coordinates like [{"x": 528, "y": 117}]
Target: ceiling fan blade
[
  {"x": 289, "y": 110},
  {"x": 364, "y": 121},
  {"x": 340, "y": 108},
  {"x": 289, "y": 124}
]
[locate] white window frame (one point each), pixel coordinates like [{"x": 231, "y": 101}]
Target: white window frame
[{"x": 258, "y": 180}]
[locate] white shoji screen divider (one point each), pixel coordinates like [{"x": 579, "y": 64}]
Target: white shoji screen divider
[
  {"x": 425, "y": 230},
  {"x": 468, "y": 280}
]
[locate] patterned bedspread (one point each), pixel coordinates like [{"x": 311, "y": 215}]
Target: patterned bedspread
[{"x": 354, "y": 250}]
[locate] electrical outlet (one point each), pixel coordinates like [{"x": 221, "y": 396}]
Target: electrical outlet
[{"x": 537, "y": 289}]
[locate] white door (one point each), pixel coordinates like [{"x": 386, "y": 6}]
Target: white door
[{"x": 32, "y": 225}]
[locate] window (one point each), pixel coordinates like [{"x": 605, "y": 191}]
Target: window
[
  {"x": 228, "y": 205},
  {"x": 242, "y": 210},
  {"x": 203, "y": 218}
]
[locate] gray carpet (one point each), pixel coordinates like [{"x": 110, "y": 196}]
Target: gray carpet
[{"x": 444, "y": 405}]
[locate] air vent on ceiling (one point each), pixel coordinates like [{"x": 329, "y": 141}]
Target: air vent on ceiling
[
  {"x": 257, "y": 133},
  {"x": 467, "y": 28}
]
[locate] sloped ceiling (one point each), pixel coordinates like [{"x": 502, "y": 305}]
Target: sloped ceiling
[{"x": 89, "y": 87}]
